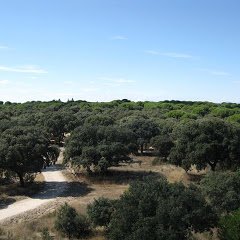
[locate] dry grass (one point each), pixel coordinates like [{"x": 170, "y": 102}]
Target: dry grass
[
  {"x": 11, "y": 193},
  {"x": 207, "y": 235},
  {"x": 32, "y": 230},
  {"x": 39, "y": 178},
  {"x": 111, "y": 185},
  {"x": 144, "y": 164}
]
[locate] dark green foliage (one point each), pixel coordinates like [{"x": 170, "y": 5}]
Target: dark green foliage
[
  {"x": 154, "y": 209},
  {"x": 117, "y": 128},
  {"x": 90, "y": 156},
  {"x": 223, "y": 190},
  {"x": 229, "y": 226},
  {"x": 5, "y": 124},
  {"x": 163, "y": 144},
  {"x": 166, "y": 126},
  {"x": 97, "y": 120},
  {"x": 23, "y": 150},
  {"x": 99, "y": 147},
  {"x": 204, "y": 142},
  {"x": 52, "y": 154},
  {"x": 201, "y": 110},
  {"x": 58, "y": 123},
  {"x": 46, "y": 235},
  {"x": 70, "y": 223},
  {"x": 100, "y": 211},
  {"x": 143, "y": 128}
]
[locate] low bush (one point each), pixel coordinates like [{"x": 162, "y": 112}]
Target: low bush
[
  {"x": 70, "y": 223},
  {"x": 154, "y": 209},
  {"x": 46, "y": 235},
  {"x": 100, "y": 211},
  {"x": 229, "y": 226},
  {"x": 223, "y": 190}
]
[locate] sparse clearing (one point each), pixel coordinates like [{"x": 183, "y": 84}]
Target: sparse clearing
[{"x": 79, "y": 190}]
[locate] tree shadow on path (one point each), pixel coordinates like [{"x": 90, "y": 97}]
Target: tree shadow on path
[
  {"x": 4, "y": 202},
  {"x": 63, "y": 189},
  {"x": 121, "y": 176}
]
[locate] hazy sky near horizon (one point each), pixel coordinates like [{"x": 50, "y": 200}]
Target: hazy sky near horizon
[{"x": 100, "y": 50}]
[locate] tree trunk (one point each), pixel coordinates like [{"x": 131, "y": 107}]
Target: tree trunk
[
  {"x": 89, "y": 171},
  {"x": 59, "y": 140},
  {"x": 141, "y": 148},
  {"x": 213, "y": 166},
  {"x": 21, "y": 179}
]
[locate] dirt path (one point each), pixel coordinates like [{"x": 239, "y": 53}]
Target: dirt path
[
  {"x": 55, "y": 186},
  {"x": 62, "y": 186}
]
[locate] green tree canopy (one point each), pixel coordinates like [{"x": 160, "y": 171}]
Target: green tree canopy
[
  {"x": 223, "y": 190},
  {"x": 154, "y": 209},
  {"x": 99, "y": 146},
  {"x": 229, "y": 226},
  {"x": 70, "y": 223},
  {"x": 23, "y": 150},
  {"x": 144, "y": 129},
  {"x": 58, "y": 123},
  {"x": 163, "y": 144},
  {"x": 207, "y": 141},
  {"x": 100, "y": 211}
]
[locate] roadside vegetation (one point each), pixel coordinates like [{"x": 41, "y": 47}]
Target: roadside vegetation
[{"x": 138, "y": 147}]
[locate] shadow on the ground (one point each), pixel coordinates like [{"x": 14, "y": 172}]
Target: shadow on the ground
[
  {"x": 63, "y": 189},
  {"x": 114, "y": 176},
  {"x": 6, "y": 201},
  {"x": 53, "y": 168},
  {"x": 49, "y": 190},
  {"x": 196, "y": 178},
  {"x": 28, "y": 190}
]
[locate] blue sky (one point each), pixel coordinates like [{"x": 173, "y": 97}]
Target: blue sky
[{"x": 100, "y": 50}]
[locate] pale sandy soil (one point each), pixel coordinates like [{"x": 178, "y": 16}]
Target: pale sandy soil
[{"x": 55, "y": 185}]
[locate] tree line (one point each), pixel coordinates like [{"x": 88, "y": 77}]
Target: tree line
[{"x": 104, "y": 134}]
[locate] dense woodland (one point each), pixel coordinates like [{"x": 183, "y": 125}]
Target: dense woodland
[{"x": 97, "y": 136}]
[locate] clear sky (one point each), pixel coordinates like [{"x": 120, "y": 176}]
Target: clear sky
[{"x": 100, "y": 50}]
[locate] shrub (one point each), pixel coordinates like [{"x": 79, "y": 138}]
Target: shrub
[
  {"x": 100, "y": 211},
  {"x": 154, "y": 209},
  {"x": 29, "y": 177},
  {"x": 229, "y": 226},
  {"x": 46, "y": 235},
  {"x": 70, "y": 223},
  {"x": 163, "y": 144},
  {"x": 223, "y": 190}
]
